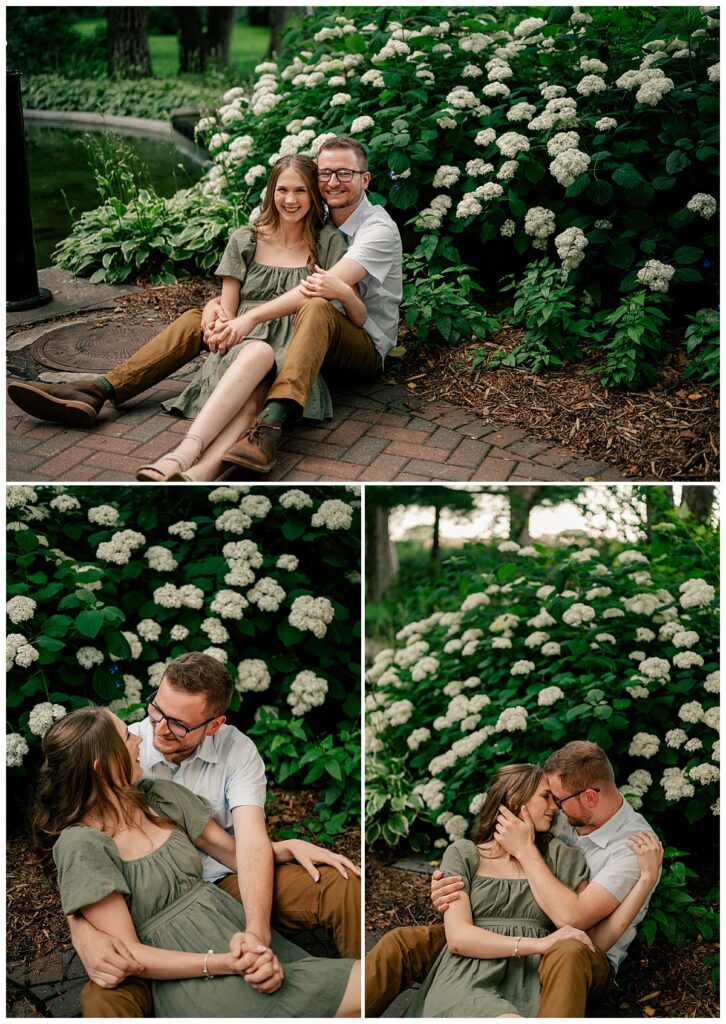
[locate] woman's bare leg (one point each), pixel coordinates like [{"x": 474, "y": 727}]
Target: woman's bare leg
[
  {"x": 236, "y": 387},
  {"x": 350, "y": 1004},
  {"x": 210, "y": 465}
]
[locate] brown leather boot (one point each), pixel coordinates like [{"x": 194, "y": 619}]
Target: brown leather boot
[
  {"x": 256, "y": 448},
  {"x": 76, "y": 405}
]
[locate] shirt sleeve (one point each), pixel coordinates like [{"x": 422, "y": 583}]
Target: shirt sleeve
[
  {"x": 89, "y": 868},
  {"x": 246, "y": 783},
  {"x": 177, "y": 802},
  {"x": 620, "y": 872},
  {"x": 240, "y": 250},
  {"x": 377, "y": 248},
  {"x": 567, "y": 864}
]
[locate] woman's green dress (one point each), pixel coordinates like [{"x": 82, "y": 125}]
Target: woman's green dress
[
  {"x": 173, "y": 908},
  {"x": 461, "y": 986},
  {"x": 260, "y": 283}
]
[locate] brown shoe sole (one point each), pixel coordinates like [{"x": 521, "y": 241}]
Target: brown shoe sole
[
  {"x": 236, "y": 460},
  {"x": 57, "y": 410}
]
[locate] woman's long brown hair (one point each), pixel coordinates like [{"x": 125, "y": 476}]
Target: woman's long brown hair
[
  {"x": 513, "y": 785},
  {"x": 269, "y": 218},
  {"x": 87, "y": 768}
]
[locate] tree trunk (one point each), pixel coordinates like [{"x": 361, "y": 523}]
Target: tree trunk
[
  {"x": 128, "y": 43},
  {"x": 436, "y": 538},
  {"x": 381, "y": 558},
  {"x": 699, "y": 500},
  {"x": 192, "y": 45},
  {"x": 220, "y": 25},
  {"x": 279, "y": 17},
  {"x": 521, "y": 502}
]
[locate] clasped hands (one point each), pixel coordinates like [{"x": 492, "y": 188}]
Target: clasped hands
[
  {"x": 222, "y": 332},
  {"x": 256, "y": 962}
]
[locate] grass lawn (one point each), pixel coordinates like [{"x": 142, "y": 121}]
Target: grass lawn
[{"x": 249, "y": 46}]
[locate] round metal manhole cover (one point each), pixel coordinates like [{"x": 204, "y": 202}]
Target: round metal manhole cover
[{"x": 92, "y": 347}]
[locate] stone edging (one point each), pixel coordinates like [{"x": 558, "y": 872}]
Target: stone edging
[{"x": 114, "y": 122}]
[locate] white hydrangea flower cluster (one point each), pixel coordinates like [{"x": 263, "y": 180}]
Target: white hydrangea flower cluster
[
  {"x": 571, "y": 245},
  {"x": 539, "y": 224},
  {"x": 42, "y": 717},
  {"x": 313, "y": 614},
  {"x": 19, "y": 496},
  {"x": 16, "y": 748},
  {"x": 185, "y": 530},
  {"x": 590, "y": 85},
  {"x": 19, "y": 652},
  {"x": 215, "y": 630},
  {"x": 521, "y": 112},
  {"x": 549, "y": 695},
  {"x": 713, "y": 682},
  {"x": 431, "y": 793},
  {"x": 307, "y": 691},
  {"x": 65, "y": 503},
  {"x": 675, "y": 738},
  {"x": 219, "y": 494},
  {"x": 149, "y": 630},
  {"x": 228, "y": 604},
  {"x": 512, "y": 143},
  {"x": 178, "y": 633},
  {"x": 333, "y": 515},
  {"x": 578, "y": 614},
  {"x": 703, "y": 204},
  {"x": 267, "y": 594},
  {"x": 568, "y": 165},
  {"x": 687, "y": 659},
  {"x": 512, "y": 720},
  {"x": 20, "y": 609},
  {"x": 119, "y": 549},
  {"x": 644, "y": 744},
  {"x": 656, "y": 275},
  {"x": 528, "y": 27},
  {"x": 508, "y": 228},
  {"x": 561, "y": 142},
  {"x": 638, "y": 784},
  {"x": 675, "y": 785},
  {"x": 522, "y": 668},
  {"x": 696, "y": 593},
  {"x": 160, "y": 559},
  {"x": 103, "y": 515},
  {"x": 253, "y": 676},
  {"x": 287, "y": 562},
  {"x": 446, "y": 176},
  {"x": 560, "y": 112},
  {"x": 704, "y": 773},
  {"x": 431, "y": 216},
  {"x": 171, "y": 596},
  {"x": 233, "y": 520},
  {"x": 417, "y": 737},
  {"x": 87, "y": 657}
]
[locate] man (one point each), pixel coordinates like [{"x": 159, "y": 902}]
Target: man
[
  {"x": 596, "y": 819},
  {"x": 186, "y": 741},
  {"x": 323, "y": 340}
]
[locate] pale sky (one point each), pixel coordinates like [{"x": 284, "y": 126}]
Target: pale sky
[{"x": 544, "y": 522}]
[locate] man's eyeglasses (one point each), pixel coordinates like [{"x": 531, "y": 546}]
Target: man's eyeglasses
[
  {"x": 177, "y": 729},
  {"x": 558, "y": 801},
  {"x": 343, "y": 174}
]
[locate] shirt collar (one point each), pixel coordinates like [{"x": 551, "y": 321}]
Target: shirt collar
[{"x": 351, "y": 224}]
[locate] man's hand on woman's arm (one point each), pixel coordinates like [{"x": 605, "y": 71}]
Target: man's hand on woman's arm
[
  {"x": 107, "y": 960},
  {"x": 325, "y": 284}
]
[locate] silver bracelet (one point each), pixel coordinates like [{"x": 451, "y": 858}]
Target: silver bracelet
[
  {"x": 207, "y": 975},
  {"x": 516, "y": 948}
]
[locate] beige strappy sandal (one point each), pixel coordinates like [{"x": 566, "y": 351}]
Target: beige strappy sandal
[{"x": 145, "y": 473}]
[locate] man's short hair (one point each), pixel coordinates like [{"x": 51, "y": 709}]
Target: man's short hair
[
  {"x": 581, "y": 765},
  {"x": 200, "y": 673},
  {"x": 345, "y": 142}
]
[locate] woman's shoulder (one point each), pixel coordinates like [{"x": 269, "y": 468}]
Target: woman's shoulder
[
  {"x": 245, "y": 239},
  {"x": 562, "y": 857},
  {"x": 329, "y": 231},
  {"x": 80, "y": 840},
  {"x": 464, "y": 852}
]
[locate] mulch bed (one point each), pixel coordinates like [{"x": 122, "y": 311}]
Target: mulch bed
[
  {"x": 668, "y": 432},
  {"x": 656, "y": 982},
  {"x": 36, "y": 925}
]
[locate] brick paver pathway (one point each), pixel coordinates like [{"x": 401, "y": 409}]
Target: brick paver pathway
[{"x": 379, "y": 433}]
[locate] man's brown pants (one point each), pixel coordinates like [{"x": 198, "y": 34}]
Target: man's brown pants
[
  {"x": 298, "y": 904},
  {"x": 569, "y": 973},
  {"x": 323, "y": 340}
]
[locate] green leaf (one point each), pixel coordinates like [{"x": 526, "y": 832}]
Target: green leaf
[
  {"x": 578, "y": 185},
  {"x": 601, "y": 192},
  {"x": 289, "y": 635},
  {"x": 292, "y": 529},
  {"x": 687, "y": 254},
  {"x": 662, "y": 184},
  {"x": 506, "y": 572},
  {"x": 48, "y": 643},
  {"x": 333, "y": 769},
  {"x": 403, "y": 194},
  {"x": 676, "y": 161},
  {"x": 398, "y": 161},
  {"x": 89, "y": 623},
  {"x": 627, "y": 176},
  {"x": 26, "y": 540},
  {"x": 57, "y": 625},
  {"x": 398, "y": 824}
]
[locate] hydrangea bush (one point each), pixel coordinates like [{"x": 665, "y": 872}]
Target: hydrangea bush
[
  {"x": 104, "y": 588},
  {"x": 586, "y": 137},
  {"x": 616, "y": 645}
]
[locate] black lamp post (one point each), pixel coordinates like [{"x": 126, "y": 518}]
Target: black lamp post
[{"x": 23, "y": 291}]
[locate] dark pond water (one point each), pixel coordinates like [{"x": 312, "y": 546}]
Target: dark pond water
[{"x": 61, "y": 178}]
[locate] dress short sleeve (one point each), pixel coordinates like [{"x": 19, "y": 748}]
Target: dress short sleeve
[
  {"x": 240, "y": 250},
  {"x": 89, "y": 868},
  {"x": 567, "y": 864},
  {"x": 461, "y": 858},
  {"x": 177, "y": 802},
  {"x": 332, "y": 246}
]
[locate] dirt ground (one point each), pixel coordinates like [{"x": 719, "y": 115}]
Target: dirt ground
[{"x": 658, "y": 982}]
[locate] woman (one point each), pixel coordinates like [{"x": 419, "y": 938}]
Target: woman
[
  {"x": 497, "y": 932},
  {"x": 288, "y": 245},
  {"x": 126, "y": 859}
]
